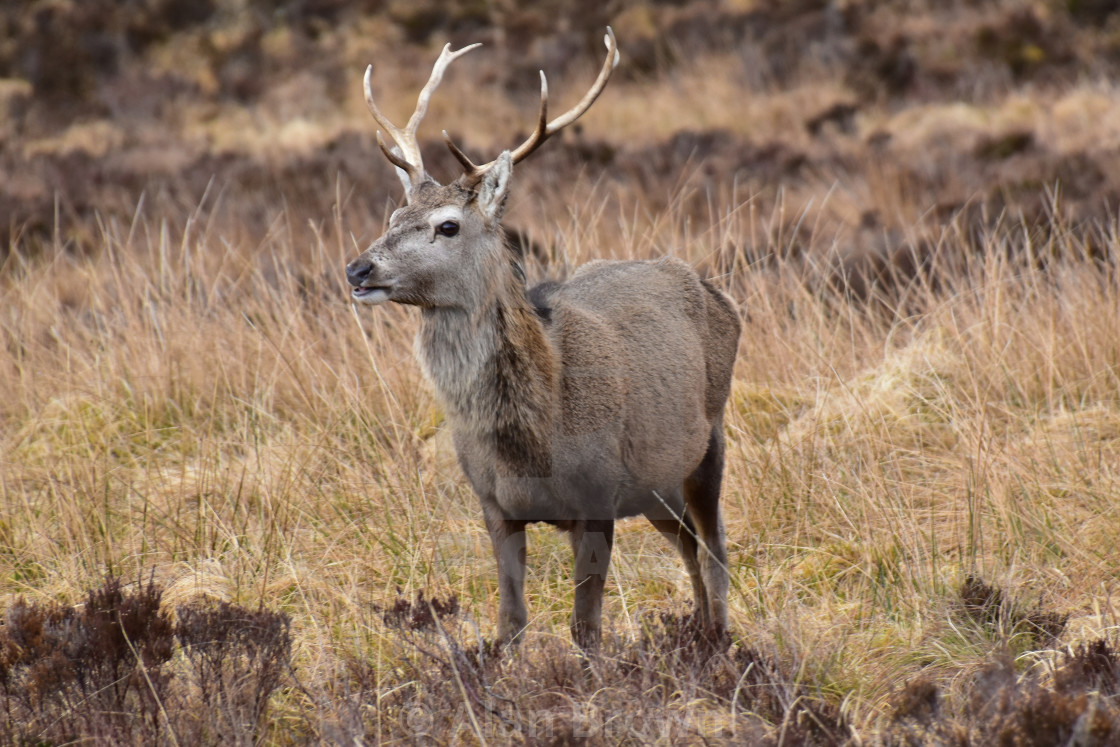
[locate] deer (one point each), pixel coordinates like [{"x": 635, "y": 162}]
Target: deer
[{"x": 574, "y": 403}]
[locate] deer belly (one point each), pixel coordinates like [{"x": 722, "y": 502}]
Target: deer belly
[
  {"x": 661, "y": 500},
  {"x": 556, "y": 500}
]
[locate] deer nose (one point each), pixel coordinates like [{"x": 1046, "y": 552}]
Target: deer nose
[{"x": 358, "y": 270}]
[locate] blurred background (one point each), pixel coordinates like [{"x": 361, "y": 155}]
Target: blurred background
[
  {"x": 920, "y": 495},
  {"x": 860, "y": 121}
]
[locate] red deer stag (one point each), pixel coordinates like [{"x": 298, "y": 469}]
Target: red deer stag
[{"x": 574, "y": 403}]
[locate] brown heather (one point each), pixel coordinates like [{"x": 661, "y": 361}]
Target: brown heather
[{"x": 914, "y": 204}]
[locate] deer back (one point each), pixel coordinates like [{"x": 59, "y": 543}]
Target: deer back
[{"x": 646, "y": 350}]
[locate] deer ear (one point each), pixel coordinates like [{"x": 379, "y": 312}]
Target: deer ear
[
  {"x": 494, "y": 188},
  {"x": 405, "y": 181},
  {"x": 402, "y": 174}
]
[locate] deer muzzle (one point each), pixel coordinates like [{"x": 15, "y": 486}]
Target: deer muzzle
[{"x": 367, "y": 286}]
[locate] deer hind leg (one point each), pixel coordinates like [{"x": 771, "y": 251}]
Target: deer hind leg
[
  {"x": 701, "y": 496},
  {"x": 682, "y": 534},
  {"x": 591, "y": 544},
  {"x": 508, "y": 540}
]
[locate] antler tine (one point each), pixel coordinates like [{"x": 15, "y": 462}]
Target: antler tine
[
  {"x": 446, "y": 57},
  {"x": 396, "y": 160},
  {"x": 541, "y": 133},
  {"x": 473, "y": 170},
  {"x": 545, "y": 129},
  {"x": 544, "y": 132},
  {"x": 409, "y": 159}
]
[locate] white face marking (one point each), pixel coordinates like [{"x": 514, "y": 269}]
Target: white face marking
[
  {"x": 370, "y": 296},
  {"x": 443, "y": 214}
]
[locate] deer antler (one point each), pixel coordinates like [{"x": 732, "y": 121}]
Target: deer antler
[
  {"x": 409, "y": 159},
  {"x": 546, "y": 129}
]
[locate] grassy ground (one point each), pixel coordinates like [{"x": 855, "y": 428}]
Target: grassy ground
[{"x": 924, "y": 431}]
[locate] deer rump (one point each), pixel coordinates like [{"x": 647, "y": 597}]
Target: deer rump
[{"x": 645, "y": 351}]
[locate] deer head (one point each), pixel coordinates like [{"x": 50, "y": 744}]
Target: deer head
[{"x": 442, "y": 248}]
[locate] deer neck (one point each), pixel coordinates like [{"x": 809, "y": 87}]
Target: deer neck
[{"x": 493, "y": 369}]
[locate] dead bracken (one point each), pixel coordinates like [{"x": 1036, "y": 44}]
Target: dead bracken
[{"x": 119, "y": 670}]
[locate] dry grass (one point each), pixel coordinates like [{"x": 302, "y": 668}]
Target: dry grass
[
  {"x": 222, "y": 418},
  {"x": 924, "y": 430}
]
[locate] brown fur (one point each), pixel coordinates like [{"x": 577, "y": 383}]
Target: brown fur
[{"x": 611, "y": 408}]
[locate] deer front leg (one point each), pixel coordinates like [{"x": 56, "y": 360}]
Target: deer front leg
[
  {"x": 508, "y": 540},
  {"x": 591, "y": 543}
]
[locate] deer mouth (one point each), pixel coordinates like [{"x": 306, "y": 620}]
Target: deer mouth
[{"x": 372, "y": 295}]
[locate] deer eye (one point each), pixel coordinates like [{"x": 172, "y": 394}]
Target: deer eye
[{"x": 447, "y": 228}]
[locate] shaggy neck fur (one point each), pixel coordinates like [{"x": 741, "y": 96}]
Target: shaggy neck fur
[{"x": 493, "y": 368}]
